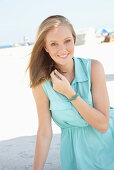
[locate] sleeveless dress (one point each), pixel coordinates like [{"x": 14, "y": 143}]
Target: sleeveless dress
[{"x": 82, "y": 147}]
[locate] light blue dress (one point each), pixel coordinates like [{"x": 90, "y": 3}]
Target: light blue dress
[{"x": 82, "y": 146}]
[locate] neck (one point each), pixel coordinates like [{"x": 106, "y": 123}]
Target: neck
[{"x": 68, "y": 68}]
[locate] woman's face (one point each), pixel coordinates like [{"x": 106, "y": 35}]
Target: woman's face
[{"x": 59, "y": 43}]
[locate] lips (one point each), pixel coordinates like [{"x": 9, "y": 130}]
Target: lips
[{"x": 63, "y": 56}]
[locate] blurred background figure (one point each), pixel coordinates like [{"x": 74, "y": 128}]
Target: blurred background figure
[
  {"x": 107, "y": 38},
  {"x": 26, "y": 41}
]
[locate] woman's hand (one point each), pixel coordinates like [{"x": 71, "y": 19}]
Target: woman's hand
[{"x": 60, "y": 83}]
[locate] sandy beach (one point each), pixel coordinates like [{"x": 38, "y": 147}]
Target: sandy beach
[
  {"x": 18, "y": 115},
  {"x": 18, "y": 111}
]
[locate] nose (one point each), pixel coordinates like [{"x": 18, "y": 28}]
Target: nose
[{"x": 62, "y": 47}]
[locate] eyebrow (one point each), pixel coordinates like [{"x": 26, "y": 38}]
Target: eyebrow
[{"x": 64, "y": 39}]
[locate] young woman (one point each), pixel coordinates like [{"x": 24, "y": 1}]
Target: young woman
[{"x": 73, "y": 92}]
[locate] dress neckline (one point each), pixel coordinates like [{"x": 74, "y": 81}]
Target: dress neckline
[{"x": 75, "y": 72}]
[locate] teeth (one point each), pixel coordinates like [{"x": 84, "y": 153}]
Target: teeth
[{"x": 63, "y": 56}]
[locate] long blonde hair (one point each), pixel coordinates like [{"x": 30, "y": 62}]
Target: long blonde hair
[{"x": 41, "y": 64}]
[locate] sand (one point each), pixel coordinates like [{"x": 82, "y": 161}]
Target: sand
[
  {"x": 18, "y": 153},
  {"x": 18, "y": 111},
  {"x": 18, "y": 115}
]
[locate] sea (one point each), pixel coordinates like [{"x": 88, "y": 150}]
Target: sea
[{"x": 11, "y": 46}]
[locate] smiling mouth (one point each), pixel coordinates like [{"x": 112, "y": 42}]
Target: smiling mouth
[{"x": 63, "y": 56}]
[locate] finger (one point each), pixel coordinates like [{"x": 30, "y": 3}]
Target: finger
[
  {"x": 53, "y": 75},
  {"x": 58, "y": 74}
]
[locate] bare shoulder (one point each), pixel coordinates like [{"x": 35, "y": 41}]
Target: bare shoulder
[
  {"x": 39, "y": 94},
  {"x": 95, "y": 64},
  {"x": 44, "y": 114},
  {"x": 97, "y": 70}
]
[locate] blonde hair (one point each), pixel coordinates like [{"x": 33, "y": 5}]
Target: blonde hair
[{"x": 41, "y": 64}]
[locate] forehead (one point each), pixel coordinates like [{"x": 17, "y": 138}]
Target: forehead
[{"x": 59, "y": 32}]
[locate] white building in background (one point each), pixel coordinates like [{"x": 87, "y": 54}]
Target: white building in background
[{"x": 85, "y": 36}]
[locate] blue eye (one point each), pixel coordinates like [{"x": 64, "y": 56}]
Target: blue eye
[
  {"x": 67, "y": 41},
  {"x": 53, "y": 44}
]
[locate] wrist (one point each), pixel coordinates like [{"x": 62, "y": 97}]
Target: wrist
[{"x": 70, "y": 93}]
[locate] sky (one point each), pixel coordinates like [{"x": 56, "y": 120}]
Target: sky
[{"x": 19, "y": 18}]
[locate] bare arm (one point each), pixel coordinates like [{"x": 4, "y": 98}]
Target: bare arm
[
  {"x": 44, "y": 134},
  {"x": 97, "y": 116}
]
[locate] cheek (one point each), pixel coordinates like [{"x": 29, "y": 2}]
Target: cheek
[
  {"x": 48, "y": 49},
  {"x": 52, "y": 51},
  {"x": 70, "y": 47}
]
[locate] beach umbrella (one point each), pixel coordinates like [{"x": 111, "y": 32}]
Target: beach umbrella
[
  {"x": 102, "y": 31},
  {"x": 112, "y": 32}
]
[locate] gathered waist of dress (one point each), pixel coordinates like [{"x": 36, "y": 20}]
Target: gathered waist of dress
[{"x": 74, "y": 127}]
